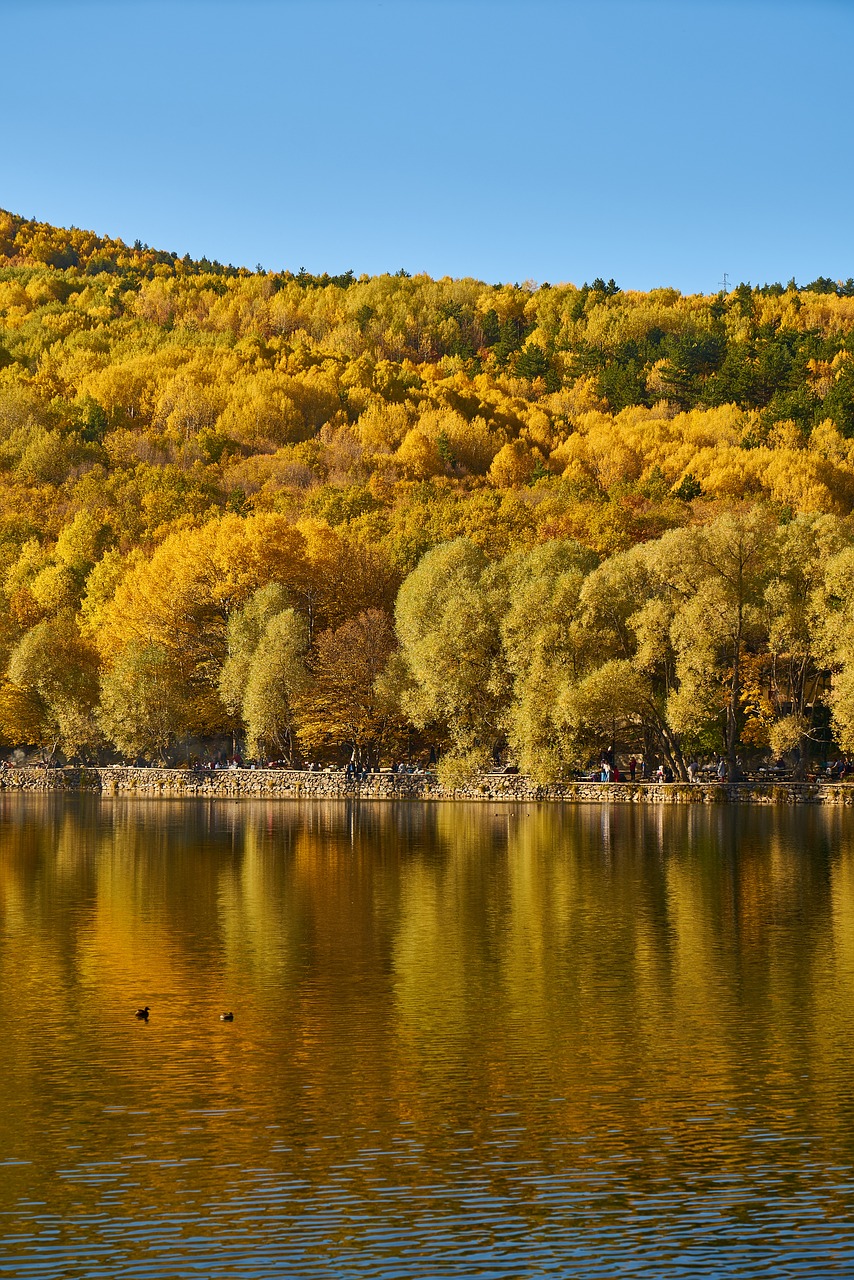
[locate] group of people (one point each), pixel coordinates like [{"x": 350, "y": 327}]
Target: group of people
[
  {"x": 351, "y": 770},
  {"x": 359, "y": 773},
  {"x": 209, "y": 766},
  {"x": 610, "y": 771}
]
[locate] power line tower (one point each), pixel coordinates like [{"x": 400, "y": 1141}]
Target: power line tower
[{"x": 725, "y": 283}]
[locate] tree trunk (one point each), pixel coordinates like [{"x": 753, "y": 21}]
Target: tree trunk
[
  {"x": 733, "y": 704},
  {"x": 672, "y": 752}
]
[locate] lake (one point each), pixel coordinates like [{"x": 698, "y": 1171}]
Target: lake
[{"x": 468, "y": 1040}]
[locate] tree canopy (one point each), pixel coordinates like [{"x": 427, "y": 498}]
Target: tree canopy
[{"x": 217, "y": 486}]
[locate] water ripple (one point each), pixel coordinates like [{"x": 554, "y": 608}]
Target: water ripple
[{"x": 594, "y": 1044}]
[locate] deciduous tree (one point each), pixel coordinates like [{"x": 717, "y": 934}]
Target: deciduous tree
[{"x": 347, "y": 701}]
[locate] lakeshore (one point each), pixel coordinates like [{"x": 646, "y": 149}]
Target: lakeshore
[{"x": 133, "y": 782}]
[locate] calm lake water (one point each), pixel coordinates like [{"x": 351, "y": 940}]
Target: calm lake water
[{"x": 502, "y": 1040}]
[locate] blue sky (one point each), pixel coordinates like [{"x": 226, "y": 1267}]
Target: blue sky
[{"x": 661, "y": 142}]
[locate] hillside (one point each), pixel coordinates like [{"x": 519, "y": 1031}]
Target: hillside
[{"x": 202, "y": 466}]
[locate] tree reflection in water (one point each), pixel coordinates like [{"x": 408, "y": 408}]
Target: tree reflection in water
[{"x": 522, "y": 1036}]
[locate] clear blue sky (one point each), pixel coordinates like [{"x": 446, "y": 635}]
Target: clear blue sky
[{"x": 661, "y": 142}]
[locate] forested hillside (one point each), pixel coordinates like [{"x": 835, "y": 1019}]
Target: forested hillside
[{"x": 325, "y": 511}]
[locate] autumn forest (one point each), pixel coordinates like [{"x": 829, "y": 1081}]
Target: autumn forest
[{"x": 335, "y": 516}]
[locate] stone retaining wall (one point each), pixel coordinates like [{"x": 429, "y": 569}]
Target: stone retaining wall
[
  {"x": 295, "y": 784},
  {"x": 39, "y": 778}
]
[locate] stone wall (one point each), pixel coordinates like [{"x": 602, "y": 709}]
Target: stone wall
[
  {"x": 37, "y": 777},
  {"x": 295, "y": 784}
]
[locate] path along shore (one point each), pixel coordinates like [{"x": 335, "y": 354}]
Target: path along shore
[{"x": 299, "y": 784}]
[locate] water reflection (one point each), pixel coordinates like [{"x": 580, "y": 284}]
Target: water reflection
[{"x": 491, "y": 1040}]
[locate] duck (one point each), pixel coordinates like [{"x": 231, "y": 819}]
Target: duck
[
  {"x": 226, "y": 1017},
  {"x": 142, "y": 1013}
]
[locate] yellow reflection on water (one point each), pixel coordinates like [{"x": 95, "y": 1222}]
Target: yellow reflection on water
[{"x": 420, "y": 989}]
